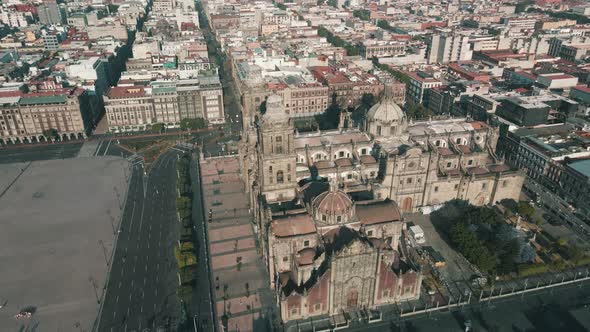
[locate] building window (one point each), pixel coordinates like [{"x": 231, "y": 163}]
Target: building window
[
  {"x": 286, "y": 259},
  {"x": 363, "y": 152},
  {"x": 306, "y": 243},
  {"x": 280, "y": 177},
  {"x": 324, "y": 218},
  {"x": 409, "y": 181},
  {"x": 484, "y": 185},
  {"x": 317, "y": 307},
  {"x": 436, "y": 189},
  {"x": 437, "y": 143},
  {"x": 349, "y": 176},
  {"x": 458, "y": 141},
  {"x": 449, "y": 164},
  {"x": 372, "y": 174},
  {"x": 341, "y": 154},
  {"x": 456, "y": 186},
  {"x": 370, "y": 233},
  {"x": 470, "y": 162},
  {"x": 378, "y": 130},
  {"x": 505, "y": 183},
  {"x": 339, "y": 219},
  {"x": 270, "y": 169}
]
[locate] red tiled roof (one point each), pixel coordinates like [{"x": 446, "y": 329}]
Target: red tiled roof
[
  {"x": 498, "y": 168},
  {"x": 126, "y": 92},
  {"x": 377, "y": 213},
  {"x": 343, "y": 162},
  {"x": 445, "y": 151},
  {"x": 582, "y": 88},
  {"x": 558, "y": 77},
  {"x": 464, "y": 148},
  {"x": 293, "y": 225},
  {"x": 305, "y": 256},
  {"x": 367, "y": 159}
]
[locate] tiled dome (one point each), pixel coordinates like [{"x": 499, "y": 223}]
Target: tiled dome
[{"x": 333, "y": 203}]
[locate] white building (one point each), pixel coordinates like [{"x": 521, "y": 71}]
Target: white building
[
  {"x": 13, "y": 19},
  {"x": 448, "y": 47}
]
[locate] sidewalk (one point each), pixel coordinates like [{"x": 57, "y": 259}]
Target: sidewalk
[{"x": 243, "y": 298}]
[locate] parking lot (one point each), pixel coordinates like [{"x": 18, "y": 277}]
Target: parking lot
[{"x": 57, "y": 236}]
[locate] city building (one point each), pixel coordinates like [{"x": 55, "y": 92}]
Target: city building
[
  {"x": 49, "y": 13},
  {"x": 27, "y": 118},
  {"x": 420, "y": 81},
  {"x": 448, "y": 47}
]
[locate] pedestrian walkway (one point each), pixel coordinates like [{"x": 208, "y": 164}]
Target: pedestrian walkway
[
  {"x": 88, "y": 149},
  {"x": 242, "y": 295}
]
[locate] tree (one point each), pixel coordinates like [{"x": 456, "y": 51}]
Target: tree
[
  {"x": 417, "y": 111},
  {"x": 51, "y": 133},
  {"x": 362, "y": 14},
  {"x": 330, "y": 118},
  {"x": 158, "y": 127},
  {"x": 280, "y": 6},
  {"x": 263, "y": 107},
  {"x": 367, "y": 100},
  {"x": 192, "y": 124},
  {"x": 526, "y": 210},
  {"x": 383, "y": 24},
  {"x": 333, "y": 3}
]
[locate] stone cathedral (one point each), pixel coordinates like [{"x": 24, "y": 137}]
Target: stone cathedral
[{"x": 329, "y": 204}]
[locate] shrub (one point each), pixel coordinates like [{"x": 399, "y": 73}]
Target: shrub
[{"x": 526, "y": 270}]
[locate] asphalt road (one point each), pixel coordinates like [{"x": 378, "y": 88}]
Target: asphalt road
[
  {"x": 25, "y": 153},
  {"x": 141, "y": 291},
  {"x": 557, "y": 207}
]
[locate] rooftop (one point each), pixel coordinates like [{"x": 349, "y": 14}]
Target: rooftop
[{"x": 293, "y": 225}]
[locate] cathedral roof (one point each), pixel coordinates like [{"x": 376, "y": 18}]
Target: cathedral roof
[
  {"x": 306, "y": 256},
  {"x": 377, "y": 213},
  {"x": 293, "y": 225}
]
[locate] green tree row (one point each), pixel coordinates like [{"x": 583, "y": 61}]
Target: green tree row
[
  {"x": 362, "y": 14},
  {"x": 338, "y": 42}
]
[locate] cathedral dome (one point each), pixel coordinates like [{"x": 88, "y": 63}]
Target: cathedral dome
[
  {"x": 386, "y": 111},
  {"x": 333, "y": 202},
  {"x": 386, "y": 118},
  {"x": 333, "y": 206}
]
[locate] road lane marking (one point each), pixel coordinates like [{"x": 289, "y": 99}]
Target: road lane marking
[
  {"x": 114, "y": 314},
  {"x": 107, "y": 149},
  {"x": 132, "y": 282},
  {"x": 117, "y": 299},
  {"x": 119, "y": 284}
]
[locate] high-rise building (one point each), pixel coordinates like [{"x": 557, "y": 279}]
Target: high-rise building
[
  {"x": 448, "y": 47},
  {"x": 51, "y": 42}
]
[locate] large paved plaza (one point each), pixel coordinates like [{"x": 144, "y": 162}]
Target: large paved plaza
[{"x": 57, "y": 220}]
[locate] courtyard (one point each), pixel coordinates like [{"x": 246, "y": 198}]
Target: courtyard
[{"x": 58, "y": 219}]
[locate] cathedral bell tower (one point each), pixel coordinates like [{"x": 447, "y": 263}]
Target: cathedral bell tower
[{"x": 276, "y": 151}]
